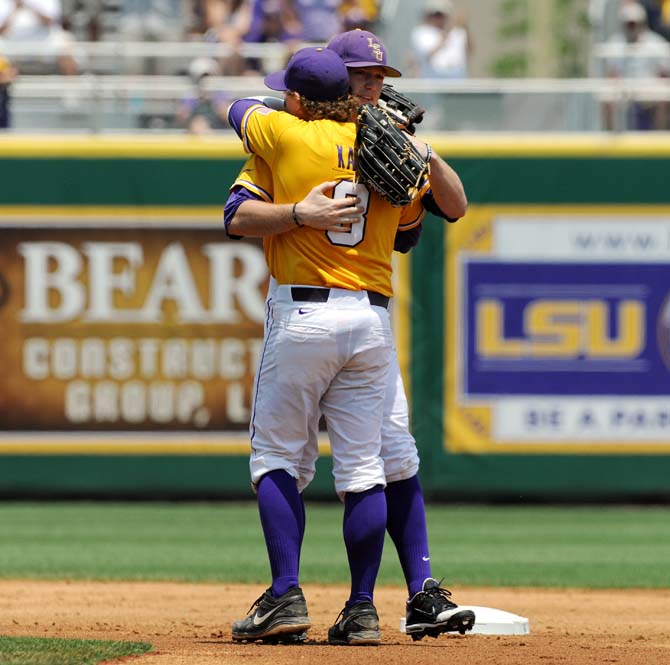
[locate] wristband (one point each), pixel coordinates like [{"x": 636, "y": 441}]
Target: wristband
[
  {"x": 295, "y": 216},
  {"x": 429, "y": 153}
]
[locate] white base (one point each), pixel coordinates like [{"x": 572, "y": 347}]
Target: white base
[{"x": 490, "y": 621}]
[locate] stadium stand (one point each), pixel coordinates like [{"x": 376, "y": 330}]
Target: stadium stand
[{"x": 137, "y": 84}]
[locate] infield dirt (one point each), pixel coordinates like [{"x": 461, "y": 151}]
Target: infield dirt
[{"x": 189, "y": 624}]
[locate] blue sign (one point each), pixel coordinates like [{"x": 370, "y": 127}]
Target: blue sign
[{"x": 565, "y": 329}]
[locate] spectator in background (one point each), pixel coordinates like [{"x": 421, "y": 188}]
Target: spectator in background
[
  {"x": 226, "y": 22},
  {"x": 314, "y": 21},
  {"x": 319, "y": 19},
  {"x": 203, "y": 111},
  {"x": 152, "y": 20},
  {"x": 273, "y": 21},
  {"x": 658, "y": 16},
  {"x": 7, "y": 75},
  {"x": 643, "y": 54},
  {"x": 39, "y": 21},
  {"x": 441, "y": 43},
  {"x": 361, "y": 14}
]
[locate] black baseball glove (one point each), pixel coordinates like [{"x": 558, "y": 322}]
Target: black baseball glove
[
  {"x": 402, "y": 109},
  {"x": 385, "y": 159}
]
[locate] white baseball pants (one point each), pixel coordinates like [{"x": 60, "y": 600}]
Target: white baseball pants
[{"x": 331, "y": 357}]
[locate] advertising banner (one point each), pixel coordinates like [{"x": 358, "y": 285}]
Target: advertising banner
[
  {"x": 558, "y": 330},
  {"x": 114, "y": 333}
]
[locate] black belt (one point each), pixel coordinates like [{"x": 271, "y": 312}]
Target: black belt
[{"x": 318, "y": 294}]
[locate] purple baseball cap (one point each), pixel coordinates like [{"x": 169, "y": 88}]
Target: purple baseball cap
[
  {"x": 361, "y": 48},
  {"x": 316, "y": 73}
]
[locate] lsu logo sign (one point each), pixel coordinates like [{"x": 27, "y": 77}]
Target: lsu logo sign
[
  {"x": 562, "y": 329},
  {"x": 565, "y": 329},
  {"x": 559, "y": 332}
]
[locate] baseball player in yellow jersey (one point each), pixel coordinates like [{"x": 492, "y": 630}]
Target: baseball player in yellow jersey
[
  {"x": 353, "y": 256},
  {"x": 327, "y": 347},
  {"x": 429, "y": 608},
  {"x": 398, "y": 450}
]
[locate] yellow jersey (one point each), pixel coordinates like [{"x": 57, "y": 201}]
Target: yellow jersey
[{"x": 297, "y": 156}]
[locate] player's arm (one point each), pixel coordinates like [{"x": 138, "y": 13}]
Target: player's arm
[
  {"x": 9, "y": 19},
  {"x": 42, "y": 16},
  {"x": 241, "y": 109},
  {"x": 446, "y": 197},
  {"x": 247, "y": 216},
  {"x": 406, "y": 240},
  {"x": 253, "y": 182},
  {"x": 446, "y": 190},
  {"x": 252, "y": 120}
]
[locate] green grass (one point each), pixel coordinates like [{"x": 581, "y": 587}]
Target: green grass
[
  {"x": 49, "y": 651},
  {"x": 590, "y": 547}
]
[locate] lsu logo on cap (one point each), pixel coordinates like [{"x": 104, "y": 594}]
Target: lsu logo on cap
[{"x": 376, "y": 49}]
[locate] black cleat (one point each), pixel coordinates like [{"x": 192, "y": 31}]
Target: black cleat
[
  {"x": 357, "y": 625},
  {"x": 290, "y": 638},
  {"x": 282, "y": 619},
  {"x": 431, "y": 612}
]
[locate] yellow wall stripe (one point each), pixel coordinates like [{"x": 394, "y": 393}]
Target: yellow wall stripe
[{"x": 229, "y": 146}]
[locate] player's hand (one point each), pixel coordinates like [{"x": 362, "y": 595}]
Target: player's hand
[{"x": 322, "y": 212}]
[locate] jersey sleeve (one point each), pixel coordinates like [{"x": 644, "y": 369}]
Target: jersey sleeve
[
  {"x": 256, "y": 177},
  {"x": 254, "y": 182},
  {"x": 411, "y": 215},
  {"x": 405, "y": 240},
  {"x": 236, "y": 198}
]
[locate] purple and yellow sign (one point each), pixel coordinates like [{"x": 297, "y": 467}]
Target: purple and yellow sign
[{"x": 559, "y": 331}]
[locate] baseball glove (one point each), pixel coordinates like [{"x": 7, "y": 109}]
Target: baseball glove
[
  {"x": 402, "y": 109},
  {"x": 385, "y": 159}
]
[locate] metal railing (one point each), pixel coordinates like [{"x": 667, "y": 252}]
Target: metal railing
[
  {"x": 123, "y": 57},
  {"x": 95, "y": 103},
  {"x": 108, "y": 101},
  {"x": 131, "y": 49}
]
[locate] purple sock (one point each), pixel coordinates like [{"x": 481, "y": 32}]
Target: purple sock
[
  {"x": 406, "y": 525},
  {"x": 364, "y": 529},
  {"x": 283, "y": 520},
  {"x": 303, "y": 521}
]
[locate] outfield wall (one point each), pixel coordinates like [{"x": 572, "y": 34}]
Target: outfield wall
[{"x": 534, "y": 334}]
